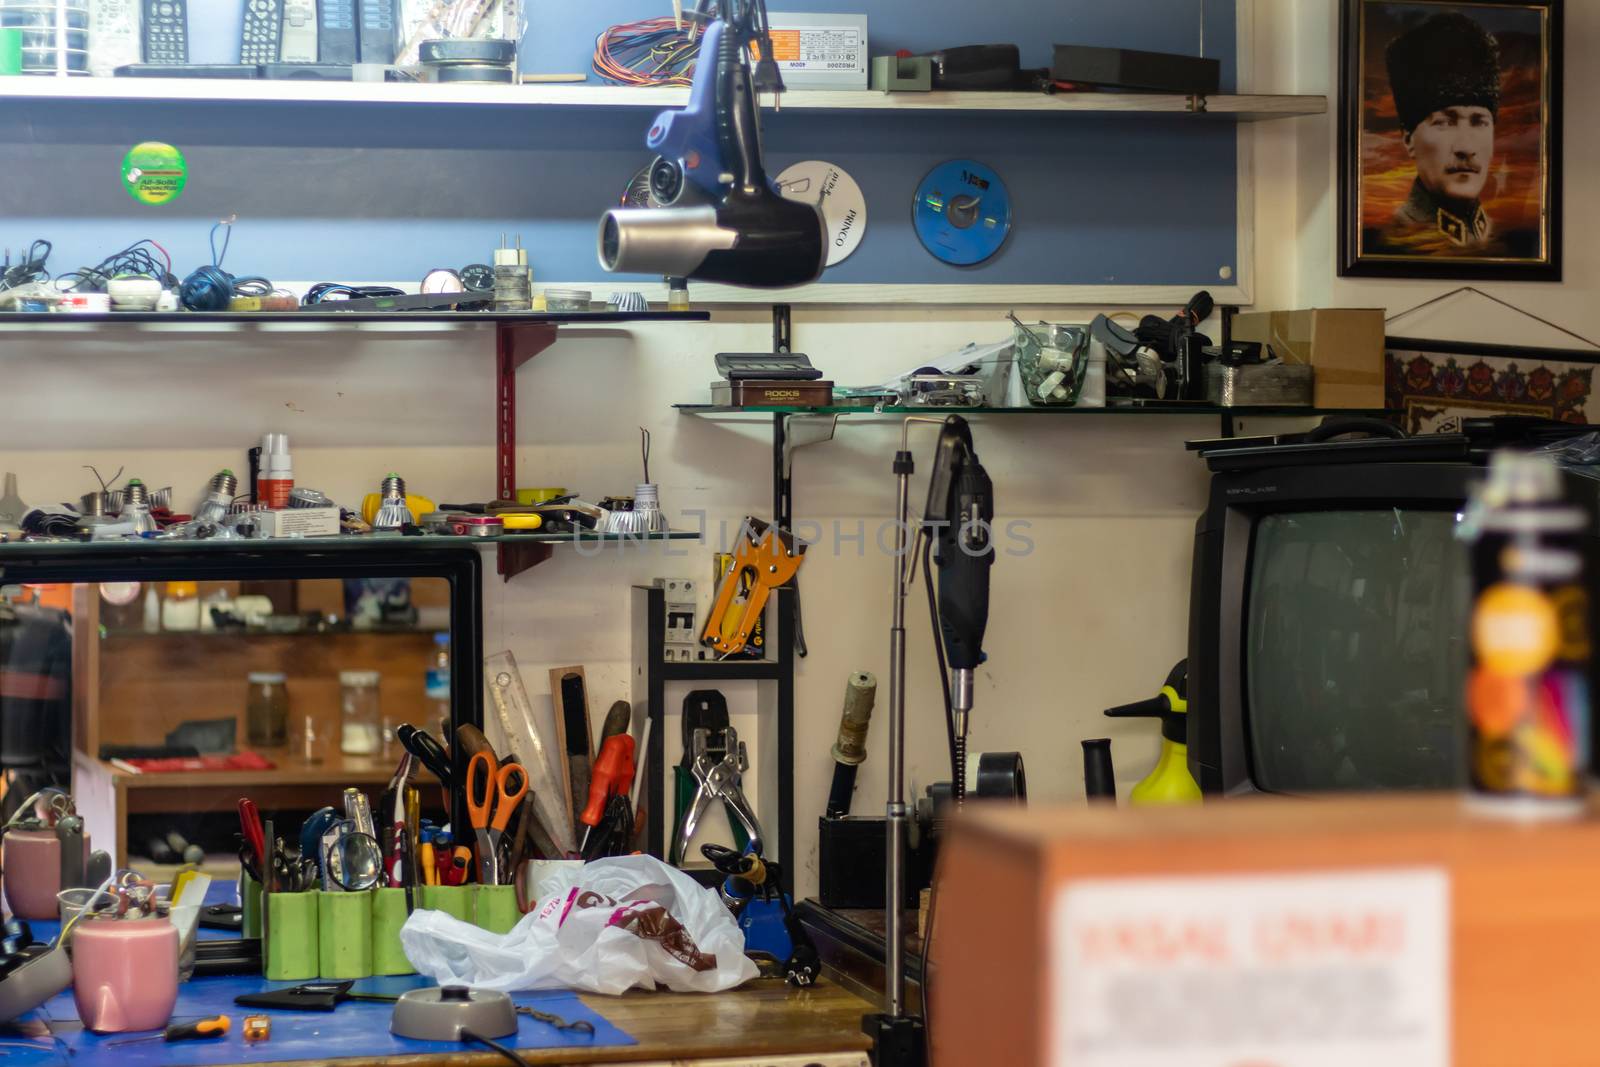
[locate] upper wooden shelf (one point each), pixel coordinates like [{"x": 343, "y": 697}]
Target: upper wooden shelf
[{"x": 1238, "y": 108}]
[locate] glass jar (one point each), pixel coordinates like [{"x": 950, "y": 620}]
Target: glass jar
[
  {"x": 360, "y": 721},
  {"x": 266, "y": 710}
]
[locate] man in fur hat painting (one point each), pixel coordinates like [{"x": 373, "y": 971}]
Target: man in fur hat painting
[{"x": 1445, "y": 77}]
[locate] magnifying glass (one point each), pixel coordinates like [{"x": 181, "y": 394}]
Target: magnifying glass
[{"x": 355, "y": 861}]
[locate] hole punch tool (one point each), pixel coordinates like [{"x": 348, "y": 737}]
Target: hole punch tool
[
  {"x": 767, "y": 558},
  {"x": 720, "y": 780}
]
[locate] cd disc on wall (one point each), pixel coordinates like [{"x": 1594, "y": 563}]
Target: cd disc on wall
[
  {"x": 962, "y": 212},
  {"x": 832, "y": 190}
]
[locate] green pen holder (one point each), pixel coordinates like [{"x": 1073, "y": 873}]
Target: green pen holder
[
  {"x": 496, "y": 906},
  {"x": 291, "y": 942},
  {"x": 249, "y": 906},
  {"x": 344, "y": 945},
  {"x": 453, "y": 900},
  {"x": 388, "y": 916}
]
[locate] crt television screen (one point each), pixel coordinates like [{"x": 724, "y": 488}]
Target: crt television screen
[{"x": 1355, "y": 651}]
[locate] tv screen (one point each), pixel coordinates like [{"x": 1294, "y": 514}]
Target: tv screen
[{"x": 1355, "y": 650}]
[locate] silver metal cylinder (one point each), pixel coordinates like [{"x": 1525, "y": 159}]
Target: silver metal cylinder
[
  {"x": 670, "y": 241},
  {"x": 961, "y": 689},
  {"x": 895, "y": 876}
]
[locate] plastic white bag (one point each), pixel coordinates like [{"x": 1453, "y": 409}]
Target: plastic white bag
[{"x": 606, "y": 927}]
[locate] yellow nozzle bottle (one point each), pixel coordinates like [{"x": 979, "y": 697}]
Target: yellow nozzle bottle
[{"x": 1170, "y": 782}]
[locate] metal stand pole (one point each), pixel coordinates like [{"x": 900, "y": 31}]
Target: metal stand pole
[{"x": 899, "y": 1038}]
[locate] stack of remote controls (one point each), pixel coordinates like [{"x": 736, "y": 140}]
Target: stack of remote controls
[
  {"x": 316, "y": 39},
  {"x": 470, "y": 59}
]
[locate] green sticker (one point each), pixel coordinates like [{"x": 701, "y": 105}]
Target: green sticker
[{"x": 153, "y": 172}]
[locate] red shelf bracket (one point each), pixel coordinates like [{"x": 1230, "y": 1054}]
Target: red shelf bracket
[{"x": 515, "y": 344}]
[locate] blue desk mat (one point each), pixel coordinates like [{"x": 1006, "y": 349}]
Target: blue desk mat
[{"x": 356, "y": 1028}]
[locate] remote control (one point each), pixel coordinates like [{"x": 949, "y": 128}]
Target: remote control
[
  {"x": 336, "y": 31},
  {"x": 263, "y": 28},
  {"x": 166, "y": 32},
  {"x": 378, "y": 41},
  {"x": 299, "y": 43},
  {"x": 113, "y": 36}
]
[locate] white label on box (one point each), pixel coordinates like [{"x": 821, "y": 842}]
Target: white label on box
[{"x": 1313, "y": 970}]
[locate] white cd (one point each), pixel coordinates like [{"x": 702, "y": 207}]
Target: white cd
[{"x": 844, "y": 209}]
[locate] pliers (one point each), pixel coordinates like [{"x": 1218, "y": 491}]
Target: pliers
[{"x": 719, "y": 779}]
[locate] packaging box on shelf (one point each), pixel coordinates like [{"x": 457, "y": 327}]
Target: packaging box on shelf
[
  {"x": 300, "y": 522},
  {"x": 1344, "y": 347},
  {"x": 1380, "y": 929}
]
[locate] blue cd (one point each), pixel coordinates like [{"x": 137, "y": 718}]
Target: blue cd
[{"x": 962, "y": 212}]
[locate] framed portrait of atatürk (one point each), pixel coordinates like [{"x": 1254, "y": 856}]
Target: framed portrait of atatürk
[{"x": 1450, "y": 139}]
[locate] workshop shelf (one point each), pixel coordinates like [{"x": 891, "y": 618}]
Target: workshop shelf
[
  {"x": 1129, "y": 409},
  {"x": 326, "y": 314},
  {"x": 313, "y": 546},
  {"x": 1252, "y": 107}
]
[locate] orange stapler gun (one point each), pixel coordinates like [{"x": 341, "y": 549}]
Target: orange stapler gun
[{"x": 766, "y": 558}]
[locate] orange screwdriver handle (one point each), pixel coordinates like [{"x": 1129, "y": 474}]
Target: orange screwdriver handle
[{"x": 612, "y": 773}]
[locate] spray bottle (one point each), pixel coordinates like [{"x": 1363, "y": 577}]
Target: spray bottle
[
  {"x": 277, "y": 471},
  {"x": 1170, "y": 782}
]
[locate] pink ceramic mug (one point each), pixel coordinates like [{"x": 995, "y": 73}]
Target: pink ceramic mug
[
  {"x": 124, "y": 973},
  {"x": 33, "y": 873}
]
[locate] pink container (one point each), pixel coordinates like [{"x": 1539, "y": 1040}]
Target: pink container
[
  {"x": 33, "y": 873},
  {"x": 125, "y": 973}
]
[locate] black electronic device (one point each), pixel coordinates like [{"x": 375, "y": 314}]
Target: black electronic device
[
  {"x": 337, "y": 36},
  {"x": 165, "y": 33},
  {"x": 321, "y": 72},
  {"x": 189, "y": 70},
  {"x": 1127, "y": 68},
  {"x": 977, "y": 67},
  {"x": 379, "y": 33},
  {"x": 768, "y": 366},
  {"x": 262, "y": 31},
  {"x": 1328, "y": 614}
]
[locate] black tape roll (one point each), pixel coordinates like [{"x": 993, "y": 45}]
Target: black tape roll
[
  {"x": 474, "y": 72},
  {"x": 1000, "y": 774},
  {"x": 468, "y": 50}
]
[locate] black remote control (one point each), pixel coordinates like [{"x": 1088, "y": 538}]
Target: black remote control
[
  {"x": 378, "y": 42},
  {"x": 336, "y": 31},
  {"x": 262, "y": 33},
  {"x": 166, "y": 32}
]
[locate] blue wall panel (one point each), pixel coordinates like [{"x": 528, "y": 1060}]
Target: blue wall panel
[{"x": 341, "y": 192}]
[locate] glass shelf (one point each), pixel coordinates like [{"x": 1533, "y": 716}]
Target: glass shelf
[
  {"x": 1210, "y": 410},
  {"x": 326, "y": 313},
  {"x": 350, "y": 543},
  {"x": 253, "y": 634}
]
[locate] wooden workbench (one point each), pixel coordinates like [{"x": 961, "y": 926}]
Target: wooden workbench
[{"x": 764, "y": 1023}]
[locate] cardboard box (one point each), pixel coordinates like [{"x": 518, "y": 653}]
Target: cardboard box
[
  {"x": 300, "y": 522},
  {"x": 1344, "y": 346},
  {"x": 1329, "y": 931}
]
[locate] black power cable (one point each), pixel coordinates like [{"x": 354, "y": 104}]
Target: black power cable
[{"x": 509, "y": 1053}]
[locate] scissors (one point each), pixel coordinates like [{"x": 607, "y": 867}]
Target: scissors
[
  {"x": 421, "y": 744},
  {"x": 490, "y": 815}
]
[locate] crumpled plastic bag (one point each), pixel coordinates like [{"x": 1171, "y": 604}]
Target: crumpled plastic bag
[{"x": 606, "y": 927}]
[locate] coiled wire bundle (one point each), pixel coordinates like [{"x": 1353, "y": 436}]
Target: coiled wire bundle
[{"x": 648, "y": 52}]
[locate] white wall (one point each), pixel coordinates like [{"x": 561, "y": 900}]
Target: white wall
[{"x": 1094, "y": 616}]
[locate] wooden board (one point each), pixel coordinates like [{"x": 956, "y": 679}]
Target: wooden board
[{"x": 764, "y": 1019}]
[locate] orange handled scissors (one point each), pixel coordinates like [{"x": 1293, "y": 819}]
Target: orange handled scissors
[{"x": 493, "y": 792}]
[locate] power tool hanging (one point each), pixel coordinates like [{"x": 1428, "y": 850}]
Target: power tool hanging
[{"x": 721, "y": 219}]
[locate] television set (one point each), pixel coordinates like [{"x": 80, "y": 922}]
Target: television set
[{"x": 1328, "y": 617}]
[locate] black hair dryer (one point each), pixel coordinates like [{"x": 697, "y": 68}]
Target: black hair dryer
[{"x": 748, "y": 234}]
